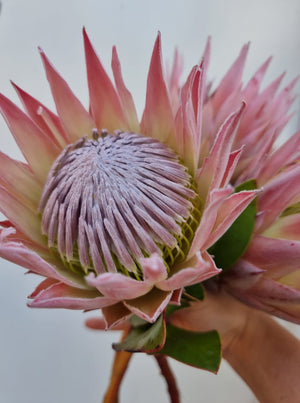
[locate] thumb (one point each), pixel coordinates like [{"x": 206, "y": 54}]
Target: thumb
[
  {"x": 218, "y": 311},
  {"x": 198, "y": 317}
]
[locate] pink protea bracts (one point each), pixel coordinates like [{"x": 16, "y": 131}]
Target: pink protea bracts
[
  {"x": 266, "y": 114},
  {"x": 267, "y": 276},
  {"x": 117, "y": 214}
]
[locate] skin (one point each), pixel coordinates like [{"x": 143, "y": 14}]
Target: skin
[{"x": 260, "y": 350}]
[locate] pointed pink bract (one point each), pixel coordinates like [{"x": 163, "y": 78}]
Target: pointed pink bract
[
  {"x": 59, "y": 295},
  {"x": 75, "y": 119},
  {"x": 231, "y": 80},
  {"x": 19, "y": 181},
  {"x": 157, "y": 120},
  {"x": 125, "y": 96},
  {"x": 105, "y": 103},
  {"x": 29, "y": 138},
  {"x": 32, "y": 107}
]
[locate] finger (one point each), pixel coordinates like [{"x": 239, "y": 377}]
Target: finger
[
  {"x": 100, "y": 324},
  {"x": 195, "y": 318}
]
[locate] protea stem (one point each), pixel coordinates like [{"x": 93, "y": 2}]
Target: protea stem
[
  {"x": 169, "y": 377},
  {"x": 120, "y": 364}
]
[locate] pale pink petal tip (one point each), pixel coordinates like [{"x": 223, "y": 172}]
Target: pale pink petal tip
[
  {"x": 158, "y": 120},
  {"x": 153, "y": 268},
  {"x": 48, "y": 122},
  {"x": 18, "y": 180},
  {"x": 232, "y": 80},
  {"x": 117, "y": 286},
  {"x": 106, "y": 110},
  {"x": 195, "y": 270},
  {"x": 74, "y": 117},
  {"x": 29, "y": 138},
  {"x": 18, "y": 253},
  {"x": 58, "y": 295},
  {"x": 125, "y": 96},
  {"x": 214, "y": 171}
]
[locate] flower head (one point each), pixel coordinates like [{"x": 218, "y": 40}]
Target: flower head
[{"x": 115, "y": 213}]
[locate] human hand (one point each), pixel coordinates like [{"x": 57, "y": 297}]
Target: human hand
[
  {"x": 258, "y": 348},
  {"x": 218, "y": 311}
]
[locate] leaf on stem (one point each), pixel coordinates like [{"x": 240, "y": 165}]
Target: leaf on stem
[
  {"x": 234, "y": 242},
  {"x": 200, "y": 350},
  {"x": 147, "y": 337}
]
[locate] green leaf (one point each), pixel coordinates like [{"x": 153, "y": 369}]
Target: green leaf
[
  {"x": 234, "y": 242},
  {"x": 137, "y": 321},
  {"x": 196, "y": 291},
  {"x": 201, "y": 350},
  {"x": 145, "y": 338}
]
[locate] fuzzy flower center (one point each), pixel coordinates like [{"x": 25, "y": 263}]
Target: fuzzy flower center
[{"x": 114, "y": 199}]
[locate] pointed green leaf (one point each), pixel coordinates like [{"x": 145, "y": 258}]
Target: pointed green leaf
[
  {"x": 234, "y": 242},
  {"x": 201, "y": 350},
  {"x": 145, "y": 338},
  {"x": 137, "y": 321}
]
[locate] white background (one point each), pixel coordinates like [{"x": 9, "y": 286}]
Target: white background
[{"x": 48, "y": 356}]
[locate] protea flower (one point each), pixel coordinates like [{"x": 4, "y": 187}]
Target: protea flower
[{"x": 117, "y": 214}]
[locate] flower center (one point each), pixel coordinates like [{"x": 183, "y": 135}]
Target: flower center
[{"x": 114, "y": 199}]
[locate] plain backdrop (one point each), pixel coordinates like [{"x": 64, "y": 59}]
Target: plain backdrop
[{"x": 48, "y": 356}]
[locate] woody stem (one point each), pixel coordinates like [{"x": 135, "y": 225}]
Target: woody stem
[
  {"x": 120, "y": 364},
  {"x": 169, "y": 377}
]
